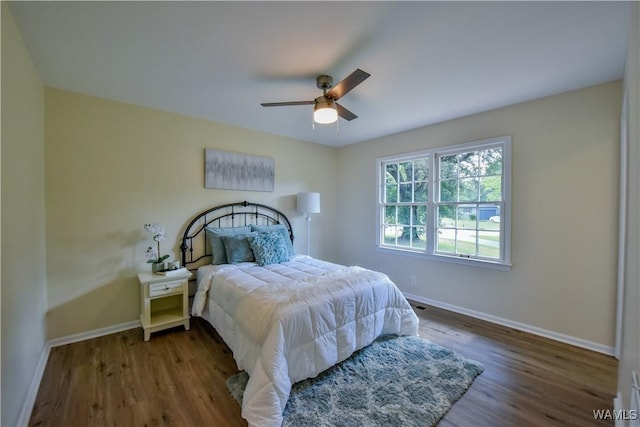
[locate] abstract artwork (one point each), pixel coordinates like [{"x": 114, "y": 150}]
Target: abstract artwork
[{"x": 237, "y": 171}]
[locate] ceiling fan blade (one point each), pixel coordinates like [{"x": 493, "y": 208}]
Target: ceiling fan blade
[
  {"x": 283, "y": 104},
  {"x": 344, "y": 113},
  {"x": 351, "y": 81}
]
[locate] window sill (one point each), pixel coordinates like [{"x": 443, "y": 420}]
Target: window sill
[{"x": 494, "y": 265}]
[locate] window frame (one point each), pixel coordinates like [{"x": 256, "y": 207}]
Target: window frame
[{"x": 433, "y": 181}]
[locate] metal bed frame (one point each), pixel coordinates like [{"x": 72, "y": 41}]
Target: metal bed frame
[{"x": 194, "y": 246}]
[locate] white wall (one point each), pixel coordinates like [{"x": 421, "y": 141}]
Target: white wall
[
  {"x": 630, "y": 354},
  {"x": 565, "y": 213},
  {"x": 23, "y": 292}
]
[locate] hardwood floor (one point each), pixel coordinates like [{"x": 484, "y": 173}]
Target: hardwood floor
[
  {"x": 528, "y": 380},
  {"x": 178, "y": 378}
]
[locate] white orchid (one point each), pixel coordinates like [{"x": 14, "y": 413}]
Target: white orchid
[
  {"x": 157, "y": 230},
  {"x": 153, "y": 255}
]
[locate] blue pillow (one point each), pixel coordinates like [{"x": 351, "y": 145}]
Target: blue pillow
[
  {"x": 237, "y": 248},
  {"x": 214, "y": 237},
  {"x": 268, "y": 248},
  {"x": 279, "y": 228}
]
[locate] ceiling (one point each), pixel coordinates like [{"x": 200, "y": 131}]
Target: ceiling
[{"x": 429, "y": 61}]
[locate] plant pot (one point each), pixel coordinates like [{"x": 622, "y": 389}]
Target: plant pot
[{"x": 157, "y": 266}]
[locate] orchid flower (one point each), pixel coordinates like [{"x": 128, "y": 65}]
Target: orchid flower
[{"x": 153, "y": 255}]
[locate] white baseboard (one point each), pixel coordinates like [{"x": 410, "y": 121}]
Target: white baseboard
[
  {"x": 94, "y": 334},
  {"x": 567, "y": 339},
  {"x": 32, "y": 393}
]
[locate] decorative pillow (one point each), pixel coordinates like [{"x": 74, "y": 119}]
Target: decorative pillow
[
  {"x": 237, "y": 248},
  {"x": 214, "y": 237},
  {"x": 268, "y": 248},
  {"x": 279, "y": 228}
]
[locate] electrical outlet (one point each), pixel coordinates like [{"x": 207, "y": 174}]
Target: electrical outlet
[{"x": 412, "y": 281}]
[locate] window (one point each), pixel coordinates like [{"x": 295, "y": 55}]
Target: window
[{"x": 451, "y": 203}]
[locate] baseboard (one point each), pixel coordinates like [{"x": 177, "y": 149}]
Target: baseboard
[
  {"x": 32, "y": 393},
  {"x": 94, "y": 334},
  {"x": 567, "y": 339}
]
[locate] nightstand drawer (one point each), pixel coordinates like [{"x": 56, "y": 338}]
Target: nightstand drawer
[{"x": 164, "y": 288}]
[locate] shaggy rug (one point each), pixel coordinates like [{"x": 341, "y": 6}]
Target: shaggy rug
[{"x": 406, "y": 381}]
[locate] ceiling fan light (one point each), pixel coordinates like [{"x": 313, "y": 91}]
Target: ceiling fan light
[{"x": 325, "y": 112}]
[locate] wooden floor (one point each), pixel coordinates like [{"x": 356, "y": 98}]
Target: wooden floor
[{"x": 178, "y": 379}]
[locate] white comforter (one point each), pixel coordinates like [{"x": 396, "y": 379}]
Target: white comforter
[{"x": 291, "y": 321}]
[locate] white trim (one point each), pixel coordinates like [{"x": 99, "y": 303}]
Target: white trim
[
  {"x": 83, "y": 336},
  {"x": 32, "y": 393},
  {"x": 469, "y": 262},
  {"x": 567, "y": 339},
  {"x": 30, "y": 398},
  {"x": 622, "y": 226},
  {"x": 618, "y": 408}
]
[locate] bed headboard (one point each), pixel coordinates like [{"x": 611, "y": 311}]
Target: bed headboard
[{"x": 194, "y": 246}]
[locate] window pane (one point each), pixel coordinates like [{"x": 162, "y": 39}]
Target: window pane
[
  {"x": 419, "y": 238},
  {"x": 489, "y": 244},
  {"x": 390, "y": 214},
  {"x": 404, "y": 237},
  {"x": 406, "y": 171},
  {"x": 469, "y": 190},
  {"x": 421, "y": 192},
  {"x": 466, "y": 242},
  {"x": 446, "y": 240},
  {"x": 404, "y": 215},
  {"x": 391, "y": 174},
  {"x": 468, "y": 164},
  {"x": 491, "y": 189},
  {"x": 448, "y": 167},
  {"x": 406, "y": 193},
  {"x": 421, "y": 170},
  {"x": 391, "y": 193},
  {"x": 420, "y": 215},
  {"x": 491, "y": 162},
  {"x": 390, "y": 233},
  {"x": 446, "y": 216},
  {"x": 467, "y": 217},
  {"x": 449, "y": 191},
  {"x": 489, "y": 217}
]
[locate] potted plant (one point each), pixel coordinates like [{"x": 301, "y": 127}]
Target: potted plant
[{"x": 153, "y": 254}]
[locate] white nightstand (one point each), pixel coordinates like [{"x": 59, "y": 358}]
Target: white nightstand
[{"x": 164, "y": 301}]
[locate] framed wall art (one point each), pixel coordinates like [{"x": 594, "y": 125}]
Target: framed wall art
[{"x": 236, "y": 171}]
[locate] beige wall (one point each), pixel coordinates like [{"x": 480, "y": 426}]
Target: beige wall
[
  {"x": 630, "y": 354},
  {"x": 565, "y": 213},
  {"x": 23, "y": 221},
  {"x": 112, "y": 167}
]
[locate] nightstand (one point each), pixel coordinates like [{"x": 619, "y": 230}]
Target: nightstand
[{"x": 164, "y": 301}]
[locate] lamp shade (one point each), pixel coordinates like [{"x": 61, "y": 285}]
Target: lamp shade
[
  {"x": 325, "y": 111},
  {"x": 308, "y": 202}
]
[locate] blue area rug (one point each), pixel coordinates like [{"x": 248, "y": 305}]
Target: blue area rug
[{"x": 406, "y": 381}]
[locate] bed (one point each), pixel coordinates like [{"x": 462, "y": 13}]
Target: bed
[{"x": 285, "y": 317}]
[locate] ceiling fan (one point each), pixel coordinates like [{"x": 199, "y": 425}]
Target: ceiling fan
[{"x": 326, "y": 109}]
